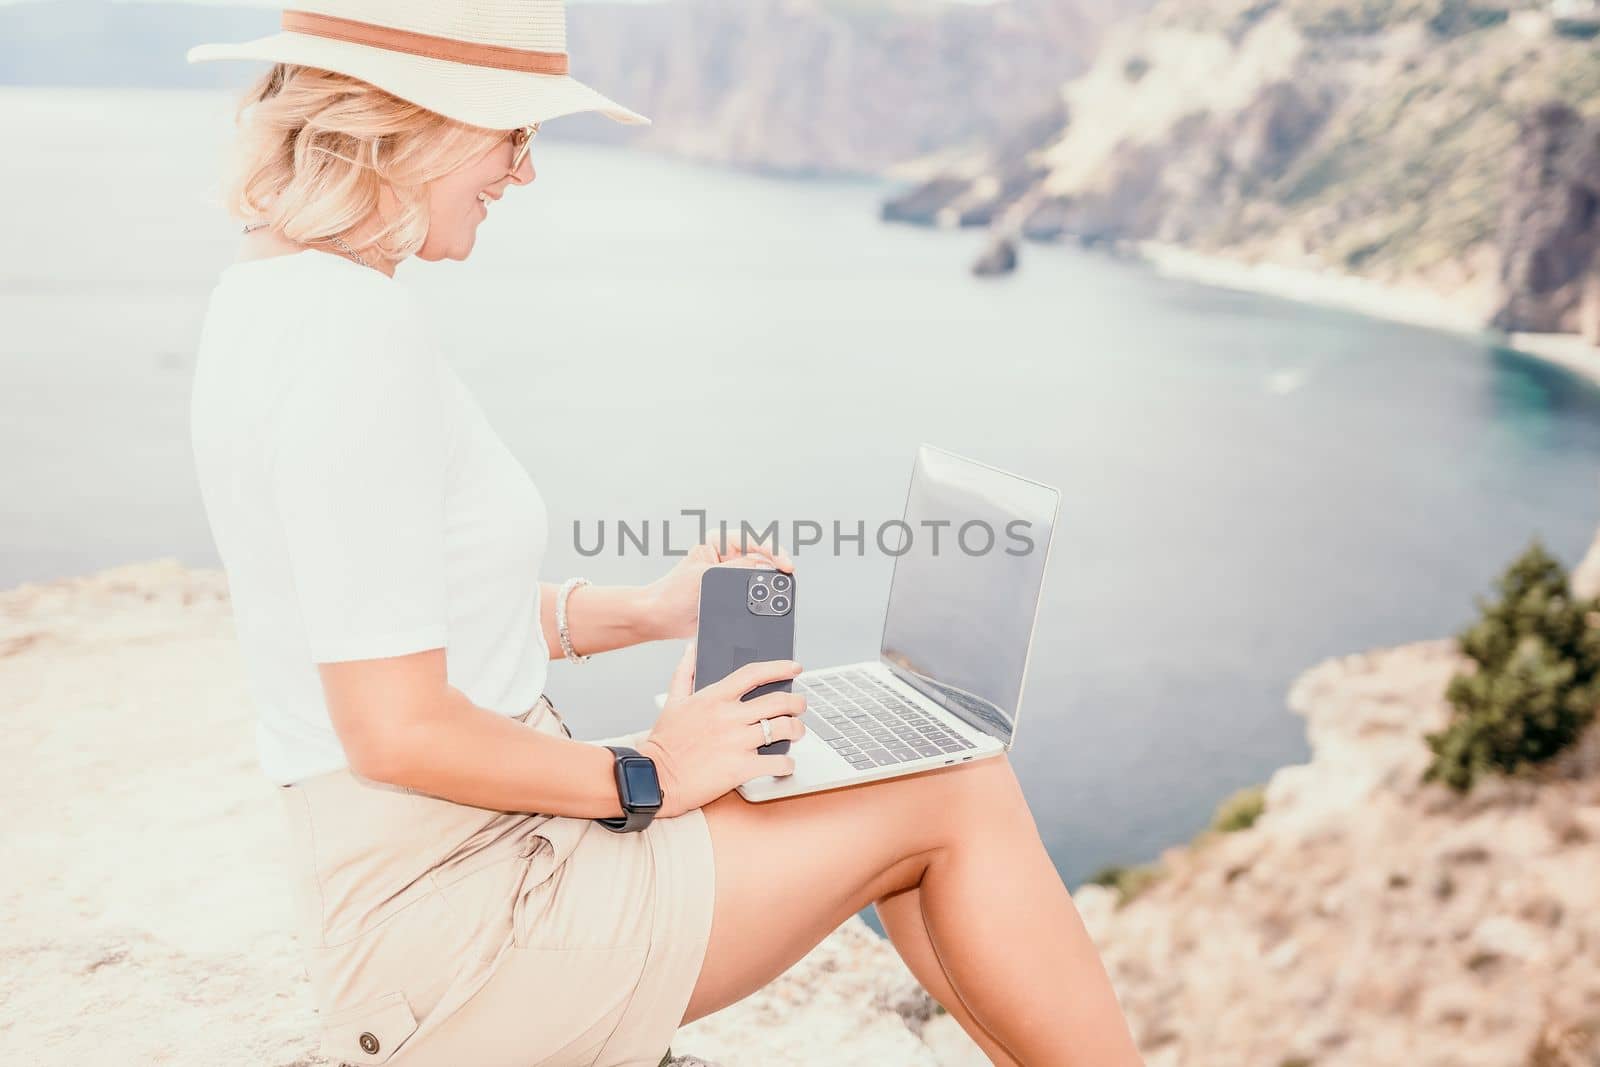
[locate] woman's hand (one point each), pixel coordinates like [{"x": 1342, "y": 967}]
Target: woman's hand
[
  {"x": 675, "y": 597},
  {"x": 705, "y": 743}
]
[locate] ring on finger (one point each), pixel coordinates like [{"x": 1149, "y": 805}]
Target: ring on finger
[{"x": 766, "y": 731}]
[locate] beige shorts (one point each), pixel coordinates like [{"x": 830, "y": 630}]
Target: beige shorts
[{"x": 436, "y": 933}]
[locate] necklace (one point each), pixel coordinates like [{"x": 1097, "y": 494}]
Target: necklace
[
  {"x": 347, "y": 250},
  {"x": 335, "y": 240}
]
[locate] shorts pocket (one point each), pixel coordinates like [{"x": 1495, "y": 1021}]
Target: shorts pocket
[
  {"x": 583, "y": 994},
  {"x": 542, "y": 1007},
  {"x": 369, "y": 1032}
]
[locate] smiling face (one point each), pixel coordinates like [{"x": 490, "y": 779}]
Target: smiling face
[{"x": 460, "y": 201}]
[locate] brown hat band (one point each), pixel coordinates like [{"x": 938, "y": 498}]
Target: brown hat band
[{"x": 424, "y": 44}]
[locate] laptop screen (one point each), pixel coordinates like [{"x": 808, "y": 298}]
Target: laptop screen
[{"x": 966, "y": 586}]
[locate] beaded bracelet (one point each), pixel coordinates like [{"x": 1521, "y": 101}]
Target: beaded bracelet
[{"x": 561, "y": 619}]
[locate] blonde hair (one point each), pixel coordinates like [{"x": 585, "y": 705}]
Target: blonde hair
[{"x": 315, "y": 147}]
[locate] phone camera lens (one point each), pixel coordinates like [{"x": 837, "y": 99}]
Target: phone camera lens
[
  {"x": 780, "y": 582},
  {"x": 780, "y": 604},
  {"x": 758, "y": 592}
]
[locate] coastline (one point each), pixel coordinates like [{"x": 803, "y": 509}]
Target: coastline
[{"x": 1413, "y": 305}]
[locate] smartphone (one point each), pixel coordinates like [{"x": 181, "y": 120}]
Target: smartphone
[{"x": 746, "y": 616}]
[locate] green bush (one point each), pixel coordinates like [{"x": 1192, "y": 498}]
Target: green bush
[
  {"x": 1240, "y": 811},
  {"x": 1536, "y": 681},
  {"x": 1129, "y": 882}
]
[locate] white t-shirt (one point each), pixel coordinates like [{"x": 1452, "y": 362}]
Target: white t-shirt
[{"x": 361, "y": 503}]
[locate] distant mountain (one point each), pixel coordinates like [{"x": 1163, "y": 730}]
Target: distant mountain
[
  {"x": 833, "y": 85},
  {"x": 789, "y": 85},
  {"x": 1405, "y": 141},
  {"x": 121, "y": 45}
]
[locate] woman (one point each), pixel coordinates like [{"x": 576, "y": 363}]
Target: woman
[{"x": 460, "y": 900}]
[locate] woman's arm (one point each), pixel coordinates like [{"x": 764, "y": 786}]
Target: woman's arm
[
  {"x": 401, "y": 722},
  {"x": 601, "y": 617}
]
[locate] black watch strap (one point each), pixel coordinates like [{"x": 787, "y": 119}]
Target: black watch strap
[{"x": 632, "y": 819}]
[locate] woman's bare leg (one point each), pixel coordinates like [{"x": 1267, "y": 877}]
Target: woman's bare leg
[
  {"x": 1001, "y": 945},
  {"x": 902, "y": 918}
]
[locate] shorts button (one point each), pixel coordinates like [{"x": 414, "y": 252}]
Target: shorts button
[{"x": 369, "y": 1044}]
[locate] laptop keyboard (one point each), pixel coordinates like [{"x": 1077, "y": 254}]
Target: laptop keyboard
[{"x": 870, "y": 724}]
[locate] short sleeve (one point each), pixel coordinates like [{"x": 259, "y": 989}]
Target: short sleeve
[{"x": 357, "y": 466}]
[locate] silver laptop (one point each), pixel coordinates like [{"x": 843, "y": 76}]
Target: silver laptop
[{"x": 947, "y": 684}]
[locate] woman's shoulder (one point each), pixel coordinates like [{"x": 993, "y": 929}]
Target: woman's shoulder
[
  {"x": 308, "y": 315},
  {"x": 314, "y": 293},
  {"x": 313, "y": 269}
]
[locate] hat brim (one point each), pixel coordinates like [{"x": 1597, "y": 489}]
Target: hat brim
[{"x": 480, "y": 96}]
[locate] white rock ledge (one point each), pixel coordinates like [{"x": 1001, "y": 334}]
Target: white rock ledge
[{"x": 142, "y": 904}]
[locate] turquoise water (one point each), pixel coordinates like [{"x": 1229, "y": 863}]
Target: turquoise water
[{"x": 1250, "y": 484}]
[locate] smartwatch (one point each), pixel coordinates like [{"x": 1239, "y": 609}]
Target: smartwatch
[{"x": 638, "y": 788}]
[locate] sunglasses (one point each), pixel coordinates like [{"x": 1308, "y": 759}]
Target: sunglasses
[{"x": 520, "y": 140}]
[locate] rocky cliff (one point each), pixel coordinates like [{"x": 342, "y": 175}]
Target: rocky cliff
[
  {"x": 815, "y": 86},
  {"x": 1360, "y": 920},
  {"x": 1365, "y": 920},
  {"x": 1550, "y": 225},
  {"x": 1397, "y": 140}
]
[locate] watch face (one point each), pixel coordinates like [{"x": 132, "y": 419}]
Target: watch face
[{"x": 644, "y": 789}]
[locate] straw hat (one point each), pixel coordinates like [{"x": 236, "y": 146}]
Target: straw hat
[{"x": 494, "y": 63}]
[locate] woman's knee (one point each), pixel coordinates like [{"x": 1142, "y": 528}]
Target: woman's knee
[
  {"x": 903, "y": 818},
  {"x": 926, "y": 814},
  {"x": 977, "y": 785},
  {"x": 999, "y": 790},
  {"x": 939, "y": 813},
  {"x": 973, "y": 802}
]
